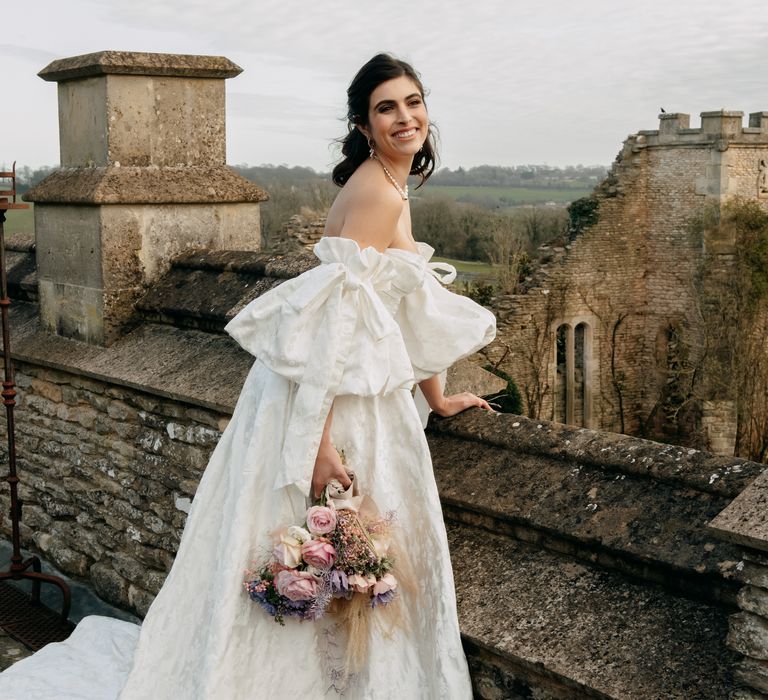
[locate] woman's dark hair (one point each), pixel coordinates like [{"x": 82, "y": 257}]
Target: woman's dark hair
[{"x": 354, "y": 146}]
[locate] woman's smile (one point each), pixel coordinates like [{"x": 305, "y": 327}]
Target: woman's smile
[{"x": 404, "y": 134}]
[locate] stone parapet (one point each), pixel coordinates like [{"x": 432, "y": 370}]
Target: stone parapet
[
  {"x": 722, "y": 125},
  {"x": 539, "y": 625},
  {"x": 745, "y": 523},
  {"x": 622, "y": 454}
]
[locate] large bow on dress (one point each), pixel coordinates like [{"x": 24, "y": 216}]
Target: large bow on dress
[{"x": 329, "y": 332}]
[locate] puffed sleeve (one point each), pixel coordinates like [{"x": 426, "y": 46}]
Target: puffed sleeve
[
  {"x": 328, "y": 331},
  {"x": 440, "y": 327}
]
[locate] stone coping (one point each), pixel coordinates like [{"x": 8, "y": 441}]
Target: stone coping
[
  {"x": 202, "y": 369},
  {"x": 20, "y": 242},
  {"x": 258, "y": 263},
  {"x": 139, "y": 63},
  {"x": 599, "y": 633},
  {"x": 722, "y": 113},
  {"x": 649, "y": 528},
  {"x": 745, "y": 520},
  {"x": 205, "y": 289},
  {"x": 704, "y": 471},
  {"x": 210, "y": 184}
]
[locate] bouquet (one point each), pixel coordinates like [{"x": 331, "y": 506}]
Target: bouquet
[{"x": 339, "y": 559}]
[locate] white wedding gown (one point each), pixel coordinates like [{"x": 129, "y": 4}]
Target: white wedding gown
[{"x": 357, "y": 331}]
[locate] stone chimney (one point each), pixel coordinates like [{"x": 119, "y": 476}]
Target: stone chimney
[{"x": 143, "y": 178}]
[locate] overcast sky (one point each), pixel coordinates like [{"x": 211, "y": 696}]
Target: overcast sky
[{"x": 554, "y": 81}]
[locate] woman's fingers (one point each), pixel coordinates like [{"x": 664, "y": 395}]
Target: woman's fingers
[
  {"x": 323, "y": 477},
  {"x": 460, "y": 402},
  {"x": 343, "y": 477}
]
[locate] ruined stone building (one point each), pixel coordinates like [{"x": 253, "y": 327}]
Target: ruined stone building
[
  {"x": 587, "y": 564},
  {"x": 623, "y": 328}
]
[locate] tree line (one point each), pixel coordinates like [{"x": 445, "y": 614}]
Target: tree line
[
  {"x": 455, "y": 229},
  {"x": 539, "y": 176}
]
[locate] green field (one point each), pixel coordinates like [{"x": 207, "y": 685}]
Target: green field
[
  {"x": 470, "y": 267},
  {"x": 20, "y": 220},
  {"x": 503, "y": 197}
]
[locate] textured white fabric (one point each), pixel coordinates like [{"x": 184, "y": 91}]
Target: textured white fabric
[
  {"x": 330, "y": 329},
  {"x": 92, "y": 663}
]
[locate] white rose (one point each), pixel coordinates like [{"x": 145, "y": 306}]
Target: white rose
[
  {"x": 298, "y": 533},
  {"x": 288, "y": 548}
]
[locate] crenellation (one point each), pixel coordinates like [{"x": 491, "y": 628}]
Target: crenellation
[
  {"x": 670, "y": 124},
  {"x": 721, "y": 125},
  {"x": 758, "y": 120}
]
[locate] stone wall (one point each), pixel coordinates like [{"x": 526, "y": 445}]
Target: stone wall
[
  {"x": 631, "y": 278},
  {"x": 108, "y": 474},
  {"x": 299, "y": 232},
  {"x": 745, "y": 523}
]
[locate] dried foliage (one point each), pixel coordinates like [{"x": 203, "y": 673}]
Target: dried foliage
[{"x": 731, "y": 322}]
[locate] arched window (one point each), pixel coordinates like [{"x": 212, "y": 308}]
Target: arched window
[{"x": 572, "y": 395}]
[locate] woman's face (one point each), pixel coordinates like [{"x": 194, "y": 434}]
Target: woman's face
[{"x": 397, "y": 118}]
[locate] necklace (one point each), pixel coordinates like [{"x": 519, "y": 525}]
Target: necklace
[{"x": 403, "y": 192}]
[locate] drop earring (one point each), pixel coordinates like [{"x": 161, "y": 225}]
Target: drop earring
[{"x": 371, "y": 146}]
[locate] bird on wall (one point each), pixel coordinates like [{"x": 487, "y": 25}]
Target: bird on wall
[{"x": 663, "y": 111}]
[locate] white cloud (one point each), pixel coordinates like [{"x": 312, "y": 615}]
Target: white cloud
[{"x": 511, "y": 81}]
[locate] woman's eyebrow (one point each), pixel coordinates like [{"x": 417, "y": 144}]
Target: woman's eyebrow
[{"x": 391, "y": 102}]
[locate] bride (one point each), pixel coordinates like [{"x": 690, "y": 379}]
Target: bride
[{"x": 338, "y": 350}]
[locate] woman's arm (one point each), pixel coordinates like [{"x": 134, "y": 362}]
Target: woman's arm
[
  {"x": 449, "y": 405},
  {"x": 328, "y": 462}
]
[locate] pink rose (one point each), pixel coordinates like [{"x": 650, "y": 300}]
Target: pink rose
[
  {"x": 296, "y": 585},
  {"x": 386, "y": 583},
  {"x": 321, "y": 520},
  {"x": 360, "y": 584},
  {"x": 318, "y": 553}
]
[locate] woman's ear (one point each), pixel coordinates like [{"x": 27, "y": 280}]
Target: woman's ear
[{"x": 363, "y": 131}]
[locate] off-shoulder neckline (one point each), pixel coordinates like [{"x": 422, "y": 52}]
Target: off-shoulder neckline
[{"x": 424, "y": 252}]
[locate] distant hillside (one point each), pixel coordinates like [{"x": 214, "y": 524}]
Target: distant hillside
[{"x": 526, "y": 176}]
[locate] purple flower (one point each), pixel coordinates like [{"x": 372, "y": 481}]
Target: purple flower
[
  {"x": 339, "y": 584},
  {"x": 382, "y": 598}
]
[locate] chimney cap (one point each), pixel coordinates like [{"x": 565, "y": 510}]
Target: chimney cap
[{"x": 139, "y": 63}]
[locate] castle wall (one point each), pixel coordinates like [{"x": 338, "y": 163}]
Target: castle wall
[{"x": 632, "y": 277}]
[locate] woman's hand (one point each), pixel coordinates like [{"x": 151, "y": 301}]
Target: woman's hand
[
  {"x": 328, "y": 466},
  {"x": 456, "y": 403}
]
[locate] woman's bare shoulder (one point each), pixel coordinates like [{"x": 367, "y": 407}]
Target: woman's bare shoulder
[{"x": 367, "y": 210}]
